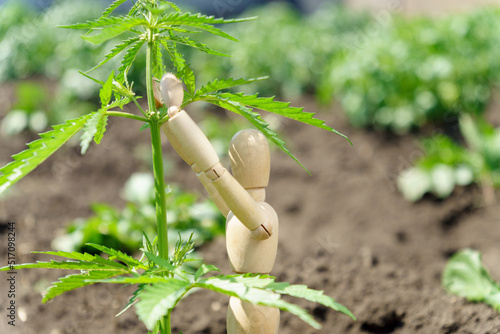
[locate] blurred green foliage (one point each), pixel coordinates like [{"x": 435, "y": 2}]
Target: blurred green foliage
[
  {"x": 35, "y": 52},
  {"x": 447, "y": 164},
  {"x": 28, "y": 111},
  {"x": 294, "y": 56},
  {"x": 123, "y": 229},
  {"x": 419, "y": 71},
  {"x": 387, "y": 71}
]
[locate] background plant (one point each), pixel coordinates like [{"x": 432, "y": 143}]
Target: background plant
[
  {"x": 158, "y": 27},
  {"x": 447, "y": 164},
  {"x": 466, "y": 276}
]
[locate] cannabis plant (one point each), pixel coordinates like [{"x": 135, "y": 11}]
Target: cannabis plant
[{"x": 159, "y": 27}]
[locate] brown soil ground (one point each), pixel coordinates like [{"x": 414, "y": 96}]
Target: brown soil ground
[{"x": 345, "y": 230}]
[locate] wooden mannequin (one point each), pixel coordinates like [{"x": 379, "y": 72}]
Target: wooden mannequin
[{"x": 251, "y": 223}]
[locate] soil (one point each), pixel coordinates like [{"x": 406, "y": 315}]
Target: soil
[{"x": 344, "y": 229}]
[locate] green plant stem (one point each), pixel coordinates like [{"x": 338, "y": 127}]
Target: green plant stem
[
  {"x": 161, "y": 210},
  {"x": 160, "y": 196},
  {"x": 139, "y": 106},
  {"x": 165, "y": 326},
  {"x": 127, "y": 115}
]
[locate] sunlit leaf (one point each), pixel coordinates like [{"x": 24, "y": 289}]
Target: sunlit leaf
[{"x": 39, "y": 150}]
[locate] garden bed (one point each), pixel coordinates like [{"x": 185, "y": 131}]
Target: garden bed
[{"x": 344, "y": 229}]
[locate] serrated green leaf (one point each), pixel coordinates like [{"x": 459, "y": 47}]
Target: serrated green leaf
[
  {"x": 67, "y": 265},
  {"x": 187, "y": 76},
  {"x": 221, "y": 84},
  {"x": 89, "y": 131},
  {"x": 133, "y": 299},
  {"x": 158, "y": 65},
  {"x": 38, "y": 151},
  {"x": 107, "y": 33},
  {"x": 106, "y": 91},
  {"x": 254, "y": 118},
  {"x": 116, "y": 254},
  {"x": 94, "y": 129},
  {"x": 204, "y": 269},
  {"x": 200, "y": 21},
  {"x": 159, "y": 261},
  {"x": 176, "y": 57},
  {"x": 101, "y": 128},
  {"x": 280, "y": 108},
  {"x": 240, "y": 288},
  {"x": 302, "y": 291},
  {"x": 143, "y": 279},
  {"x": 86, "y": 258},
  {"x": 156, "y": 300},
  {"x": 120, "y": 103},
  {"x": 112, "y": 7},
  {"x": 194, "y": 44},
  {"x": 72, "y": 282},
  {"x": 101, "y": 22},
  {"x": 128, "y": 59},
  {"x": 105, "y": 28},
  {"x": 174, "y": 6},
  {"x": 115, "y": 51}
]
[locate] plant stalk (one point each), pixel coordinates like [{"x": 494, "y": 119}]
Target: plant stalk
[{"x": 160, "y": 195}]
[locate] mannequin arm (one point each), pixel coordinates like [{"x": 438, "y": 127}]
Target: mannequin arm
[{"x": 193, "y": 146}]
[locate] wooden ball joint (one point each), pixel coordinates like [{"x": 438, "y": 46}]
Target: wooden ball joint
[{"x": 251, "y": 223}]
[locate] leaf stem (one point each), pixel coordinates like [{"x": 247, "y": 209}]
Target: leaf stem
[
  {"x": 127, "y": 115},
  {"x": 139, "y": 106}
]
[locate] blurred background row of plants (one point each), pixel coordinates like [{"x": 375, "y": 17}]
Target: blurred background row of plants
[{"x": 431, "y": 77}]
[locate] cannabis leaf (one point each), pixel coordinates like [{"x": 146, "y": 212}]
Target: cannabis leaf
[
  {"x": 108, "y": 27},
  {"x": 254, "y": 118},
  {"x": 39, "y": 150},
  {"x": 194, "y": 44},
  {"x": 245, "y": 104},
  {"x": 118, "y": 255},
  {"x": 156, "y": 300},
  {"x": 96, "y": 124},
  {"x": 199, "y": 21},
  {"x": 72, "y": 282},
  {"x": 94, "y": 269},
  {"x": 222, "y": 84},
  {"x": 116, "y": 50},
  {"x": 112, "y": 7},
  {"x": 159, "y": 298},
  {"x": 279, "y": 108}
]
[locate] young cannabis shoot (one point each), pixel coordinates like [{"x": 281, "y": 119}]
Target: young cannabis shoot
[{"x": 158, "y": 27}]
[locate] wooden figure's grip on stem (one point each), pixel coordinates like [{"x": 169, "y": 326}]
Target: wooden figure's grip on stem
[{"x": 194, "y": 147}]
